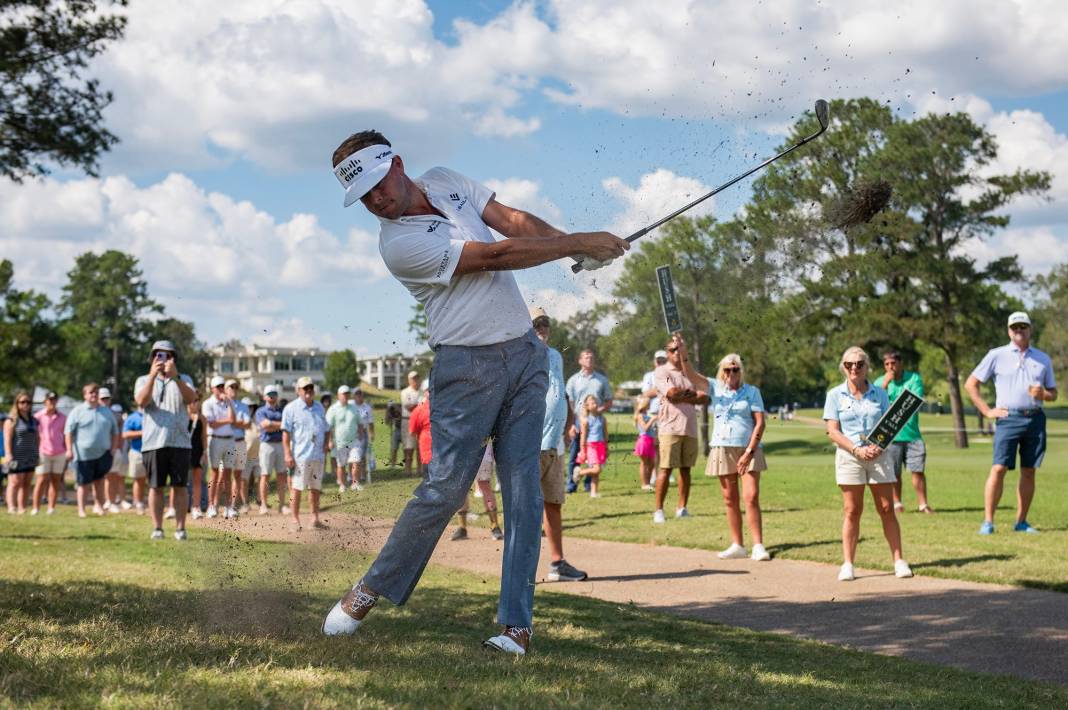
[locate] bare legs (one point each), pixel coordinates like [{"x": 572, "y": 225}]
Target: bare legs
[
  {"x": 1025, "y": 491},
  {"x": 751, "y": 494},
  {"x": 853, "y": 505},
  {"x": 554, "y": 531},
  {"x": 662, "y": 487}
]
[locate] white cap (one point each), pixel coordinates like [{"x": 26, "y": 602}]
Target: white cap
[
  {"x": 270, "y": 389},
  {"x": 343, "y": 389},
  {"x": 1019, "y": 317},
  {"x": 232, "y": 381},
  {"x": 660, "y": 355},
  {"x": 413, "y": 373},
  {"x": 218, "y": 380},
  {"x": 361, "y": 171},
  {"x": 104, "y": 393}
]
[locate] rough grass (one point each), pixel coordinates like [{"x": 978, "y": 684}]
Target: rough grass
[
  {"x": 803, "y": 511},
  {"x": 92, "y": 613}
]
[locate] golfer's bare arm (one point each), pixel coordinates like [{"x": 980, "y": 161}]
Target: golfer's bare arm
[
  {"x": 531, "y": 242},
  {"x": 971, "y": 386}
]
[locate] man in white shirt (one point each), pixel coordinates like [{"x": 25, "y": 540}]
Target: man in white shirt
[
  {"x": 363, "y": 452},
  {"x": 410, "y": 397},
  {"x": 490, "y": 372},
  {"x": 242, "y": 421},
  {"x": 218, "y": 413}
]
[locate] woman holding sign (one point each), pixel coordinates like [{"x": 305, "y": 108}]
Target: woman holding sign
[
  {"x": 735, "y": 453},
  {"x": 852, "y": 410}
]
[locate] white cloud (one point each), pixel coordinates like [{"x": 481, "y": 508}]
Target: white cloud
[
  {"x": 204, "y": 254},
  {"x": 526, "y": 195},
  {"x": 658, "y": 194},
  {"x": 497, "y": 123}
]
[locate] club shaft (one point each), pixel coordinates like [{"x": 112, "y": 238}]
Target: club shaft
[{"x": 577, "y": 267}]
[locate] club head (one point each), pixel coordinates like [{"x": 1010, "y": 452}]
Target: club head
[{"x": 822, "y": 114}]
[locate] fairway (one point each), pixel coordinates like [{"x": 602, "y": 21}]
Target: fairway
[
  {"x": 95, "y": 614},
  {"x": 803, "y": 510}
]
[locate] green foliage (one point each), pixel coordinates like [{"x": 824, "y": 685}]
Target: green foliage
[
  {"x": 106, "y": 326},
  {"x": 341, "y": 369},
  {"x": 417, "y": 324},
  {"x": 1051, "y": 315},
  {"x": 49, "y": 113},
  {"x": 28, "y": 338}
]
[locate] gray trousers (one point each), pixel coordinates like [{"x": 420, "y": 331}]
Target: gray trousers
[{"x": 476, "y": 393}]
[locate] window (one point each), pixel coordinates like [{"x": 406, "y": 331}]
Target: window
[
  {"x": 317, "y": 363},
  {"x": 300, "y": 363},
  {"x": 242, "y": 365},
  {"x": 281, "y": 363},
  {"x": 226, "y": 366}
]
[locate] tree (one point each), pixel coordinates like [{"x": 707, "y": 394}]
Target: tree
[
  {"x": 49, "y": 113},
  {"x": 417, "y": 324},
  {"x": 907, "y": 275},
  {"x": 193, "y": 356},
  {"x": 1051, "y": 314},
  {"x": 28, "y": 339},
  {"x": 341, "y": 369},
  {"x": 107, "y": 322}
]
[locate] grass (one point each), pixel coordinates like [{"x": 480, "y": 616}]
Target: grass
[
  {"x": 803, "y": 512},
  {"x": 92, "y": 613}
]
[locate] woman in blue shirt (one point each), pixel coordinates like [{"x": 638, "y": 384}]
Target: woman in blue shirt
[
  {"x": 852, "y": 410},
  {"x": 735, "y": 453}
]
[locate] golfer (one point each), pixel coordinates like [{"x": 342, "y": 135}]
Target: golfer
[
  {"x": 490, "y": 371},
  {"x": 851, "y": 411},
  {"x": 1023, "y": 382}
]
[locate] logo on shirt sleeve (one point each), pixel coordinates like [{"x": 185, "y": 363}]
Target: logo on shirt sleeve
[
  {"x": 433, "y": 226},
  {"x": 455, "y": 197},
  {"x": 444, "y": 264}
]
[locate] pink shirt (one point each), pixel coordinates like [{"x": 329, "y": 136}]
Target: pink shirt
[
  {"x": 678, "y": 419},
  {"x": 51, "y": 432}
]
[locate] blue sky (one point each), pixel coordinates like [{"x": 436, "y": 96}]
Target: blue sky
[{"x": 593, "y": 115}]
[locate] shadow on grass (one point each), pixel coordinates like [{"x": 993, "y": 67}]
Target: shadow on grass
[
  {"x": 786, "y": 546},
  {"x": 650, "y": 576},
  {"x": 797, "y": 447},
  {"x": 962, "y": 561},
  {"x": 1040, "y": 584},
  {"x": 89, "y": 643},
  {"x": 28, "y": 536}
]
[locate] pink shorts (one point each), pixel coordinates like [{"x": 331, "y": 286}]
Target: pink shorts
[
  {"x": 596, "y": 453},
  {"x": 645, "y": 447}
]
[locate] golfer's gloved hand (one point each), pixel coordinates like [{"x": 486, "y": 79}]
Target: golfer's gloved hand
[{"x": 591, "y": 264}]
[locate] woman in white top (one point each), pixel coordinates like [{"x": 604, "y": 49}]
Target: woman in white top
[{"x": 735, "y": 453}]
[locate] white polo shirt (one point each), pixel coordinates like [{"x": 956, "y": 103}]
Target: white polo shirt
[{"x": 422, "y": 252}]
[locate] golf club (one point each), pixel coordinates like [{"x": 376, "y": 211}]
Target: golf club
[{"x": 822, "y": 116}]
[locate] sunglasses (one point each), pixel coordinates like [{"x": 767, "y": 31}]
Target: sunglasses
[
  {"x": 854, "y": 365},
  {"x": 732, "y": 369},
  {"x": 24, "y": 401},
  {"x": 308, "y": 388},
  {"x": 1019, "y": 326},
  {"x": 217, "y": 387}
]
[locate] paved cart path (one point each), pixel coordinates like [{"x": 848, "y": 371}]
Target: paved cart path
[{"x": 979, "y": 627}]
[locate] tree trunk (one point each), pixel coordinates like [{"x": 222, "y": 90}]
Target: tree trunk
[{"x": 960, "y": 432}]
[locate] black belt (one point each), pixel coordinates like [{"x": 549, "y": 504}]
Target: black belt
[
  {"x": 1033, "y": 412},
  {"x": 212, "y": 436}
]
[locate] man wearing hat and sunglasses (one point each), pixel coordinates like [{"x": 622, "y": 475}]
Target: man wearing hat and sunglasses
[
  {"x": 489, "y": 375},
  {"x": 1023, "y": 382},
  {"x": 166, "y": 447}
]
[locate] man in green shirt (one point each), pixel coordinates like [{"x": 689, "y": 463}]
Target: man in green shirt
[{"x": 907, "y": 449}]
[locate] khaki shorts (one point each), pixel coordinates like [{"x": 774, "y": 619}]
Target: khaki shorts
[
  {"x": 272, "y": 458},
  {"x": 118, "y": 463},
  {"x": 52, "y": 464},
  {"x": 851, "y": 471},
  {"x": 307, "y": 476},
  {"x": 221, "y": 452},
  {"x": 410, "y": 440},
  {"x": 723, "y": 460},
  {"x": 136, "y": 467},
  {"x": 552, "y": 477},
  {"x": 677, "y": 451}
]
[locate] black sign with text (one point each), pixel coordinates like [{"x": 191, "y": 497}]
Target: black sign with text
[
  {"x": 895, "y": 419},
  {"x": 667, "y": 299}
]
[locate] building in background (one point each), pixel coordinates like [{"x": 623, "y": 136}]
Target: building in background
[
  {"x": 389, "y": 372},
  {"x": 256, "y": 366}
]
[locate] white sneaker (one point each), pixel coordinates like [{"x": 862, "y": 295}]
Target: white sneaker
[
  {"x": 230, "y": 513},
  {"x": 50, "y": 511},
  {"x": 106, "y": 507},
  {"x": 760, "y": 554},
  {"x": 682, "y": 512},
  {"x": 902, "y": 569},
  {"x": 213, "y": 512},
  {"x": 34, "y": 511},
  {"x": 339, "y": 623},
  {"x": 125, "y": 505},
  {"x": 264, "y": 510},
  {"x": 244, "y": 508},
  {"x": 140, "y": 508},
  {"x": 197, "y": 515},
  {"x": 169, "y": 515},
  {"x": 157, "y": 534},
  {"x": 734, "y": 552},
  {"x": 356, "y": 486},
  {"x": 180, "y": 535},
  {"x": 658, "y": 516},
  {"x": 97, "y": 510},
  {"x": 575, "y": 475},
  {"x": 284, "y": 510},
  {"x": 845, "y": 574}
]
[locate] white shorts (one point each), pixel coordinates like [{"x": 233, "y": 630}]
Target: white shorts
[
  {"x": 851, "y": 471},
  {"x": 252, "y": 468},
  {"x": 118, "y": 463},
  {"x": 345, "y": 455},
  {"x": 136, "y": 468},
  {"x": 410, "y": 440},
  {"x": 226, "y": 453},
  {"x": 272, "y": 458},
  {"x": 307, "y": 476},
  {"x": 52, "y": 464}
]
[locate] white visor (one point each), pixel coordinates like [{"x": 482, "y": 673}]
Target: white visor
[{"x": 361, "y": 171}]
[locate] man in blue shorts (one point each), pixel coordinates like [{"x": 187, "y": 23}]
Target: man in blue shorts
[
  {"x": 92, "y": 440},
  {"x": 1023, "y": 381}
]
